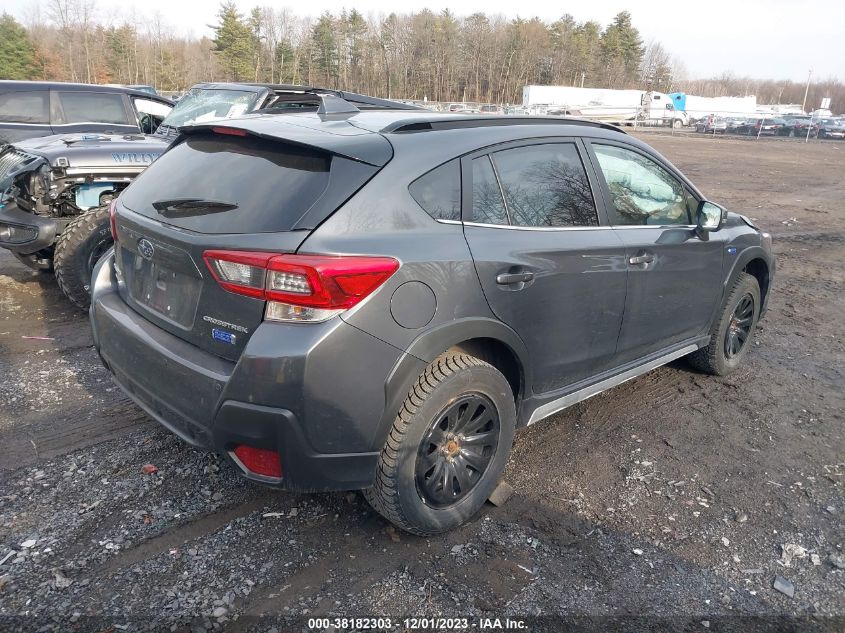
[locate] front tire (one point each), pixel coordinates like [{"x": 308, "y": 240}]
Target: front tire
[
  {"x": 731, "y": 334},
  {"x": 447, "y": 448},
  {"x": 80, "y": 246}
]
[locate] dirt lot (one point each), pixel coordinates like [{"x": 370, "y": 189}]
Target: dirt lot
[{"x": 670, "y": 502}]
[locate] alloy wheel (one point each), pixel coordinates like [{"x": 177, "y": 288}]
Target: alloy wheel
[{"x": 739, "y": 327}]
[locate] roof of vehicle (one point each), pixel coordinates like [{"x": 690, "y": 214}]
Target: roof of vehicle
[
  {"x": 395, "y": 122},
  {"x": 9, "y": 86},
  {"x": 362, "y": 135}
]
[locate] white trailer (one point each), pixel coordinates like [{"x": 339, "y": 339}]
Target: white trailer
[
  {"x": 650, "y": 108},
  {"x": 570, "y": 96},
  {"x": 701, "y": 107}
]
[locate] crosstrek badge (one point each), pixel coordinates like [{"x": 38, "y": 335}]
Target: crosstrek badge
[{"x": 222, "y": 336}]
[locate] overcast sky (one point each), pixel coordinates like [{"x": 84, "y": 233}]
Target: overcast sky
[{"x": 775, "y": 39}]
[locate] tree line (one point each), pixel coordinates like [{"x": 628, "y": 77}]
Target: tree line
[{"x": 417, "y": 55}]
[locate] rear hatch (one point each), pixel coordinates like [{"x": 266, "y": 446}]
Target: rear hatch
[{"x": 260, "y": 187}]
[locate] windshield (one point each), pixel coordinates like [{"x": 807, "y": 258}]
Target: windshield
[{"x": 201, "y": 105}]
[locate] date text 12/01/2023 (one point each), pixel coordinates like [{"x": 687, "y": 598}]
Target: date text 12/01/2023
[{"x": 418, "y": 624}]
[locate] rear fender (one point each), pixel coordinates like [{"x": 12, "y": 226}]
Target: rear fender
[{"x": 427, "y": 347}]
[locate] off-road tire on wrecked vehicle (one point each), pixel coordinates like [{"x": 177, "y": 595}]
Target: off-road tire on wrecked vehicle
[
  {"x": 79, "y": 247},
  {"x": 736, "y": 324},
  {"x": 448, "y": 446}
]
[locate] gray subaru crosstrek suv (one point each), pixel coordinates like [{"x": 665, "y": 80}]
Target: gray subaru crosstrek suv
[{"x": 376, "y": 300}]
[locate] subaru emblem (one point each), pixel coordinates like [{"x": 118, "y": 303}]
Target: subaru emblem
[{"x": 146, "y": 248}]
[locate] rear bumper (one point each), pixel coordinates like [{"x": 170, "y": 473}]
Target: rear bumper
[
  {"x": 44, "y": 230},
  {"x": 326, "y": 437}
]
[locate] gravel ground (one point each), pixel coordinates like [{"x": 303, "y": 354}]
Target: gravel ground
[{"x": 676, "y": 501}]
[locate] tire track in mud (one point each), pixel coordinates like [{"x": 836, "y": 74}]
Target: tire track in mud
[
  {"x": 199, "y": 527},
  {"x": 79, "y": 428},
  {"x": 335, "y": 541},
  {"x": 616, "y": 407}
]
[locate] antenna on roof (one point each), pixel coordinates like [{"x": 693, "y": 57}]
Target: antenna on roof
[{"x": 331, "y": 104}]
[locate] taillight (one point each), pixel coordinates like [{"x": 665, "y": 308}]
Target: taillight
[
  {"x": 300, "y": 287},
  {"x": 113, "y": 219}
]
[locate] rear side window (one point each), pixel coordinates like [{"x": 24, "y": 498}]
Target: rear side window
[
  {"x": 228, "y": 184},
  {"x": 545, "y": 186},
  {"x": 439, "y": 191},
  {"x": 93, "y": 107},
  {"x": 25, "y": 107},
  {"x": 487, "y": 204}
]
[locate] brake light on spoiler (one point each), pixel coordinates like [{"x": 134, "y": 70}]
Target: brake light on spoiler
[
  {"x": 300, "y": 288},
  {"x": 230, "y": 131}
]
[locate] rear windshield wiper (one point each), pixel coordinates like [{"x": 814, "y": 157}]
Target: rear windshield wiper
[{"x": 188, "y": 207}]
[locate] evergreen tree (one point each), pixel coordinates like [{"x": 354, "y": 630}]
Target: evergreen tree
[
  {"x": 234, "y": 43},
  {"x": 622, "y": 48},
  {"x": 17, "y": 53},
  {"x": 285, "y": 55},
  {"x": 324, "y": 50}
]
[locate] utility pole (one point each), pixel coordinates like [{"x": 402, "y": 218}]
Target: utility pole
[{"x": 806, "y": 90}]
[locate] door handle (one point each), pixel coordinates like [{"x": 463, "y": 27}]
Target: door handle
[
  {"x": 639, "y": 260},
  {"x": 506, "y": 279}
]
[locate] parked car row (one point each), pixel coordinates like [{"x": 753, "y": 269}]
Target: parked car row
[
  {"x": 485, "y": 108},
  {"x": 788, "y": 125}
]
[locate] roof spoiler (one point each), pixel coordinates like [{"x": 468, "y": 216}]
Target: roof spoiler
[{"x": 340, "y": 138}]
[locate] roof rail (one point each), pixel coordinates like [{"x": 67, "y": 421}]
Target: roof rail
[{"x": 462, "y": 121}]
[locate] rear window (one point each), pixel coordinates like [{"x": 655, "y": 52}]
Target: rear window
[
  {"x": 93, "y": 107},
  {"x": 228, "y": 184},
  {"x": 24, "y": 107}
]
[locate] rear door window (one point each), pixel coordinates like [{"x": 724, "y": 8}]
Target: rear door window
[
  {"x": 487, "y": 204},
  {"x": 25, "y": 107},
  {"x": 228, "y": 184},
  {"x": 93, "y": 107},
  {"x": 546, "y": 186}
]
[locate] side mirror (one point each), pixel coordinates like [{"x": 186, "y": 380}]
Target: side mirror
[{"x": 710, "y": 218}]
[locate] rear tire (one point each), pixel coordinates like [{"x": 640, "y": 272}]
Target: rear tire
[
  {"x": 79, "y": 247},
  {"x": 731, "y": 334},
  {"x": 447, "y": 448}
]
